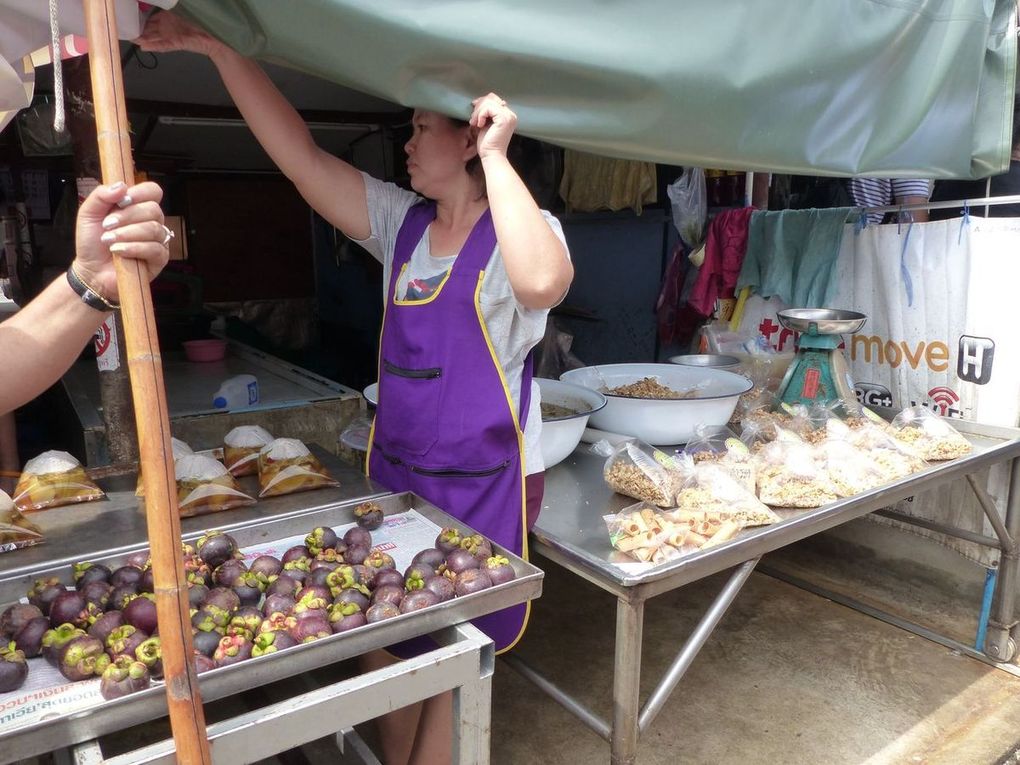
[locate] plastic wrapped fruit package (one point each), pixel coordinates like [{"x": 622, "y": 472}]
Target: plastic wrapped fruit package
[
  {"x": 241, "y": 447},
  {"x": 286, "y": 466},
  {"x": 711, "y": 489},
  {"x": 635, "y": 469},
  {"x": 789, "y": 475},
  {"x": 53, "y": 479},
  {"x": 933, "y": 437},
  {"x": 205, "y": 486},
  {"x": 15, "y": 531},
  {"x": 180, "y": 449}
]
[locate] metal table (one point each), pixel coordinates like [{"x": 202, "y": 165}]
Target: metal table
[{"x": 571, "y": 532}]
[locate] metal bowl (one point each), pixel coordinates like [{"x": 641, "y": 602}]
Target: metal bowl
[
  {"x": 822, "y": 321},
  {"x": 662, "y": 421},
  {"x": 710, "y": 360}
]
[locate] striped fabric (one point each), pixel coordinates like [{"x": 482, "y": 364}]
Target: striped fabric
[{"x": 879, "y": 192}]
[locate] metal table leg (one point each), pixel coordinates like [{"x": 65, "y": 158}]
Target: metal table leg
[
  {"x": 630, "y": 616},
  {"x": 1001, "y": 641}
]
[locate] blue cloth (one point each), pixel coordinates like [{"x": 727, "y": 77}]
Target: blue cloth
[{"x": 791, "y": 254}]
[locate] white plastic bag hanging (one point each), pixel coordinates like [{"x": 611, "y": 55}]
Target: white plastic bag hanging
[{"x": 690, "y": 206}]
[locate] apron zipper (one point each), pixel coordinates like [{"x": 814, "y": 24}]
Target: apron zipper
[
  {"x": 445, "y": 472},
  {"x": 418, "y": 374}
]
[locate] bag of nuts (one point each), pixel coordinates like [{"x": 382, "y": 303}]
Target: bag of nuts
[{"x": 641, "y": 471}]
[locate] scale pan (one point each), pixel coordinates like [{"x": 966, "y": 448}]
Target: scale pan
[{"x": 822, "y": 321}]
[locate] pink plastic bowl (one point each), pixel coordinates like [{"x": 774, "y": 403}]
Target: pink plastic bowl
[{"x": 205, "y": 350}]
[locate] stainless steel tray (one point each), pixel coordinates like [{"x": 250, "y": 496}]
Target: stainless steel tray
[{"x": 108, "y": 716}]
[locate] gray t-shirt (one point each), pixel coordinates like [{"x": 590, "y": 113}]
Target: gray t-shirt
[{"x": 514, "y": 329}]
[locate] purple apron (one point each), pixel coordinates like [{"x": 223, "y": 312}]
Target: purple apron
[{"x": 445, "y": 426}]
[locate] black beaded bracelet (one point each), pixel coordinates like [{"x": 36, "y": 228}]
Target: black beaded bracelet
[{"x": 88, "y": 294}]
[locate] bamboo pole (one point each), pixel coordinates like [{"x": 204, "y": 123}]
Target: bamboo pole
[{"x": 187, "y": 718}]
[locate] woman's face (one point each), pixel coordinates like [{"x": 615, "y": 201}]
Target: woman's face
[{"x": 436, "y": 152}]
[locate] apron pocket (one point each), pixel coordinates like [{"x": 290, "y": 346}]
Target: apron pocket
[{"x": 410, "y": 424}]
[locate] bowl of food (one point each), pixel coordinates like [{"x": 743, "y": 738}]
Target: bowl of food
[
  {"x": 565, "y": 412},
  {"x": 661, "y": 404}
]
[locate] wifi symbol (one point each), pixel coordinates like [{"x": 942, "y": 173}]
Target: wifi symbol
[{"x": 943, "y": 398}]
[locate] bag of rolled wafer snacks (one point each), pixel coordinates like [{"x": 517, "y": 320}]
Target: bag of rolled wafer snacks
[
  {"x": 636, "y": 469},
  {"x": 652, "y": 536}
]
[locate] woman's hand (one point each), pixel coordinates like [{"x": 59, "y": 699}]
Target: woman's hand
[
  {"x": 495, "y": 123},
  {"x": 120, "y": 219},
  {"x": 165, "y": 32}
]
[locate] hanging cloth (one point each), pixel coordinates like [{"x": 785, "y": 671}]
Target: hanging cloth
[{"x": 591, "y": 183}]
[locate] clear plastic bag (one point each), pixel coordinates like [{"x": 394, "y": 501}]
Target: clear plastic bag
[
  {"x": 689, "y": 201},
  {"x": 720, "y": 446},
  {"x": 641, "y": 532},
  {"x": 241, "y": 447},
  {"x": 712, "y": 489},
  {"x": 204, "y": 485},
  {"x": 636, "y": 469},
  {"x": 931, "y": 436},
  {"x": 15, "y": 531},
  {"x": 52, "y": 479},
  {"x": 790, "y": 475},
  {"x": 287, "y": 466},
  {"x": 850, "y": 470}
]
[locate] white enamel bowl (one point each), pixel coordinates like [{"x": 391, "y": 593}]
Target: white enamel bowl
[
  {"x": 561, "y": 435},
  {"x": 662, "y": 422}
]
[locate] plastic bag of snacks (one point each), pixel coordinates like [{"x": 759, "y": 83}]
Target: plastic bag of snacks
[
  {"x": 710, "y": 488},
  {"x": 286, "y": 466},
  {"x": 720, "y": 446},
  {"x": 180, "y": 449},
  {"x": 15, "y": 531},
  {"x": 205, "y": 486},
  {"x": 241, "y": 447},
  {"x": 850, "y": 470},
  {"x": 931, "y": 436},
  {"x": 789, "y": 475},
  {"x": 893, "y": 458},
  {"x": 636, "y": 469},
  {"x": 763, "y": 420},
  {"x": 641, "y": 531},
  {"x": 810, "y": 422},
  {"x": 53, "y": 479}
]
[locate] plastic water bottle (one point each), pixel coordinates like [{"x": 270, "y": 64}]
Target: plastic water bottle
[{"x": 237, "y": 392}]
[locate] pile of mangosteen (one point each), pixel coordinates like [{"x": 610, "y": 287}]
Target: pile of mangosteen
[{"x": 105, "y": 626}]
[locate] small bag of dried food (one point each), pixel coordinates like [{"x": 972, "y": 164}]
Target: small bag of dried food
[
  {"x": 53, "y": 479},
  {"x": 641, "y": 532},
  {"x": 205, "y": 486},
  {"x": 241, "y": 447},
  {"x": 180, "y": 449},
  {"x": 931, "y": 436},
  {"x": 764, "y": 421},
  {"x": 850, "y": 470},
  {"x": 636, "y": 469},
  {"x": 720, "y": 446},
  {"x": 790, "y": 475},
  {"x": 710, "y": 488},
  {"x": 810, "y": 421},
  {"x": 15, "y": 531},
  {"x": 286, "y": 466}
]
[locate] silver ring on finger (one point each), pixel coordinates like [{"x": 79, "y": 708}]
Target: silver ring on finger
[{"x": 168, "y": 234}]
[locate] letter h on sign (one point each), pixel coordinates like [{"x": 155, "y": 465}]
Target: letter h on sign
[{"x": 974, "y": 364}]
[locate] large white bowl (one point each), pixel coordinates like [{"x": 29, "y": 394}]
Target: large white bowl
[
  {"x": 662, "y": 422},
  {"x": 561, "y": 435}
]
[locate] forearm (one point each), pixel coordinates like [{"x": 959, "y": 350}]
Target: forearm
[
  {"x": 536, "y": 261},
  {"x": 41, "y": 341}
]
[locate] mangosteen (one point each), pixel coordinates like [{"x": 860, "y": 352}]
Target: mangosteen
[
  {"x": 13, "y": 668},
  {"x": 248, "y": 589},
  {"x": 442, "y": 587},
  {"x": 388, "y": 593},
  {"x": 356, "y": 553},
  {"x": 430, "y": 556},
  {"x": 97, "y": 593},
  {"x": 247, "y": 617},
  {"x": 311, "y": 628},
  {"x": 379, "y": 560},
  {"x": 55, "y": 639},
  {"x": 471, "y": 581},
  {"x": 417, "y": 600},
  {"x": 202, "y": 663},
  {"x": 499, "y": 569},
  {"x": 205, "y": 642},
  {"x": 223, "y": 597},
  {"x": 211, "y": 617},
  {"x": 187, "y": 549},
  {"x": 368, "y": 515},
  {"x": 225, "y": 574},
  {"x": 276, "y": 622},
  {"x": 345, "y": 616},
  {"x": 216, "y": 548},
  {"x": 387, "y": 576},
  {"x": 140, "y": 613},
  {"x": 329, "y": 558},
  {"x": 271, "y": 642},
  {"x": 146, "y": 583},
  {"x": 84, "y": 573},
  {"x": 266, "y": 565},
  {"x": 43, "y": 592},
  {"x": 197, "y": 593},
  {"x": 311, "y": 608},
  {"x": 281, "y": 603},
  {"x": 296, "y": 552},
  {"x": 126, "y": 575},
  {"x": 297, "y": 568},
  {"x": 105, "y": 624},
  {"x": 357, "y": 595},
  {"x": 82, "y": 658},
  {"x": 139, "y": 559},
  {"x": 314, "y": 591},
  {"x": 320, "y": 538},
  {"x": 122, "y": 676},
  {"x": 357, "y": 536},
  {"x": 341, "y": 578},
  {"x": 380, "y": 611},
  {"x": 460, "y": 560},
  {"x": 150, "y": 653},
  {"x": 416, "y": 576},
  {"x": 29, "y": 638},
  {"x": 231, "y": 650},
  {"x": 68, "y": 607},
  {"x": 283, "y": 585},
  {"x": 318, "y": 576},
  {"x": 17, "y": 616},
  {"x": 121, "y": 596},
  {"x": 476, "y": 544},
  {"x": 367, "y": 574},
  {"x": 197, "y": 571},
  {"x": 448, "y": 540},
  {"x": 123, "y": 640}
]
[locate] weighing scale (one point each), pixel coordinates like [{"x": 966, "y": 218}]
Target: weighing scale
[{"x": 819, "y": 373}]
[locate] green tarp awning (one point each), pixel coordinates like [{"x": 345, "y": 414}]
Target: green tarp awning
[{"x": 842, "y": 87}]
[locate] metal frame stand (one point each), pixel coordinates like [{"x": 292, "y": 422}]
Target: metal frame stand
[
  {"x": 463, "y": 663},
  {"x": 630, "y": 719}
]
